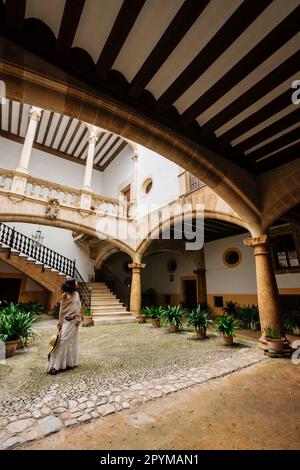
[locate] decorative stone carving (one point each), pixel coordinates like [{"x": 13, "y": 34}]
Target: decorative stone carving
[
  {"x": 52, "y": 209},
  {"x": 256, "y": 241}
]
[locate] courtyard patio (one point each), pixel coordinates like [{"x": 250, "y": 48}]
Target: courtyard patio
[{"x": 120, "y": 367}]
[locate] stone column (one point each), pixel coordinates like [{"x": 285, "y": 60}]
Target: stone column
[
  {"x": 134, "y": 187},
  {"x": 86, "y": 191},
  {"x": 136, "y": 288},
  {"x": 21, "y": 173},
  {"x": 267, "y": 291}
]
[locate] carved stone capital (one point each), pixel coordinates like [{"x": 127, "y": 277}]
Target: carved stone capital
[
  {"x": 94, "y": 133},
  {"x": 257, "y": 241},
  {"x": 35, "y": 113},
  {"x": 136, "y": 267}
]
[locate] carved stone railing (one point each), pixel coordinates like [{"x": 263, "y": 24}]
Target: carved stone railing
[{"x": 43, "y": 190}]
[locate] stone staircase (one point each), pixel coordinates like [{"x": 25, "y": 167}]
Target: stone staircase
[{"x": 106, "y": 308}]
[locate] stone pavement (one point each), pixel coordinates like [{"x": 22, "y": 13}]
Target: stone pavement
[{"x": 50, "y": 412}]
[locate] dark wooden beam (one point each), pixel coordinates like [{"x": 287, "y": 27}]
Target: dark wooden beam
[
  {"x": 264, "y": 49},
  {"x": 247, "y": 12},
  {"x": 108, "y": 150},
  {"x": 281, "y": 73},
  {"x": 276, "y": 144},
  {"x": 14, "y": 18},
  {"x": 83, "y": 134},
  {"x": 277, "y": 104},
  {"x": 181, "y": 23},
  {"x": 103, "y": 145},
  {"x": 48, "y": 127},
  {"x": 43, "y": 148},
  {"x": 68, "y": 26},
  {"x": 56, "y": 130},
  {"x": 114, "y": 155},
  {"x": 65, "y": 133},
  {"x": 73, "y": 136},
  {"x": 20, "y": 118},
  {"x": 279, "y": 158},
  {"x": 278, "y": 126},
  {"x": 125, "y": 20}
]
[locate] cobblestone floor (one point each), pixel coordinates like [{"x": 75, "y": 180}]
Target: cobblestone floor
[{"x": 120, "y": 368}]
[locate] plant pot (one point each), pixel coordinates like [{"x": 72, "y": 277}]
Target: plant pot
[
  {"x": 227, "y": 340},
  {"x": 20, "y": 344},
  {"x": 201, "y": 334},
  {"x": 10, "y": 348},
  {"x": 254, "y": 325},
  {"x": 88, "y": 321},
  {"x": 173, "y": 328},
  {"x": 275, "y": 346},
  {"x": 296, "y": 330},
  {"x": 155, "y": 322},
  {"x": 141, "y": 318}
]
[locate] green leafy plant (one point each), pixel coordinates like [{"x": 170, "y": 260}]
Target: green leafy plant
[
  {"x": 15, "y": 324},
  {"x": 273, "y": 332},
  {"x": 33, "y": 307},
  {"x": 174, "y": 316},
  {"x": 152, "y": 312},
  {"x": 87, "y": 313},
  {"x": 292, "y": 321},
  {"x": 199, "y": 318},
  {"x": 231, "y": 308},
  {"x": 227, "y": 325},
  {"x": 249, "y": 314}
]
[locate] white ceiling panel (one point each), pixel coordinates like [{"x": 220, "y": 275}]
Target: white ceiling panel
[{"x": 50, "y": 12}]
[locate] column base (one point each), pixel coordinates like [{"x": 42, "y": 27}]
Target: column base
[{"x": 262, "y": 344}]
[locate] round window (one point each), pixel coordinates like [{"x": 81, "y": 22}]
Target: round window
[
  {"x": 147, "y": 186},
  {"x": 232, "y": 257}
]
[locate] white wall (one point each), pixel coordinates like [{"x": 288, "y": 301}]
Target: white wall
[
  {"x": 117, "y": 173},
  {"x": 156, "y": 274},
  {"x": 46, "y": 166},
  {"x": 60, "y": 240},
  {"x": 222, "y": 279},
  {"x": 288, "y": 281}
]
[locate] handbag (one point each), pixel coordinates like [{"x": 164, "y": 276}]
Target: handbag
[{"x": 54, "y": 340}]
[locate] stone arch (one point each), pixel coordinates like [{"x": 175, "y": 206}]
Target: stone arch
[{"x": 235, "y": 185}]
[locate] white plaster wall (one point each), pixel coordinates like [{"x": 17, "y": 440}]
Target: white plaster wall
[
  {"x": 119, "y": 172},
  {"x": 288, "y": 280},
  {"x": 222, "y": 280},
  {"x": 46, "y": 166},
  {"x": 60, "y": 240},
  {"x": 156, "y": 275}
]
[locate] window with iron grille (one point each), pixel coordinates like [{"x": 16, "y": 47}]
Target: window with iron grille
[{"x": 284, "y": 252}]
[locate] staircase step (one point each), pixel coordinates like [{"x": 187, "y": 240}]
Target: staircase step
[
  {"x": 114, "y": 320},
  {"x": 110, "y": 313}
]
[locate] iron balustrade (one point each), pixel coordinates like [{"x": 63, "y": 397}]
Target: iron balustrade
[{"x": 15, "y": 240}]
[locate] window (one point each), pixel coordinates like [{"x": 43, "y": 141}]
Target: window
[
  {"x": 284, "y": 252},
  {"x": 218, "y": 301},
  {"x": 232, "y": 257},
  {"x": 147, "y": 186}
]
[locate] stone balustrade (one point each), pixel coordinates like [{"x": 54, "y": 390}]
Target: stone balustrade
[{"x": 43, "y": 190}]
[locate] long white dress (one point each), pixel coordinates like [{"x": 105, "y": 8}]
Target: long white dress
[{"x": 66, "y": 354}]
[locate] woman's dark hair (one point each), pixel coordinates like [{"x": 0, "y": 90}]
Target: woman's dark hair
[{"x": 69, "y": 286}]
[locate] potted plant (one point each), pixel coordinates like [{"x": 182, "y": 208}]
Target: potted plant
[
  {"x": 292, "y": 323},
  {"x": 275, "y": 340},
  {"x": 14, "y": 327},
  {"x": 249, "y": 316},
  {"x": 87, "y": 318},
  {"x": 199, "y": 319},
  {"x": 154, "y": 313},
  {"x": 174, "y": 316},
  {"x": 141, "y": 317},
  {"x": 227, "y": 326},
  {"x": 231, "y": 308}
]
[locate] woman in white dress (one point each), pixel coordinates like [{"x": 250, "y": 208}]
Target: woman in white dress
[{"x": 65, "y": 353}]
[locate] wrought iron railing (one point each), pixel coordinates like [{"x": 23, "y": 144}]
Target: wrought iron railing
[
  {"x": 121, "y": 290},
  {"x": 84, "y": 291},
  {"x": 15, "y": 240}
]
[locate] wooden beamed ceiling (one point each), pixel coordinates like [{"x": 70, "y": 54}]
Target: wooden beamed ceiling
[
  {"x": 59, "y": 135},
  {"x": 217, "y": 72}
]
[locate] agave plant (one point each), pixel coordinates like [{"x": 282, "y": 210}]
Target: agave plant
[
  {"x": 35, "y": 308},
  {"x": 174, "y": 316},
  {"x": 273, "y": 332},
  {"x": 199, "y": 319},
  {"x": 16, "y": 326},
  {"x": 153, "y": 312},
  {"x": 231, "y": 308},
  {"x": 227, "y": 325},
  {"x": 292, "y": 322}
]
